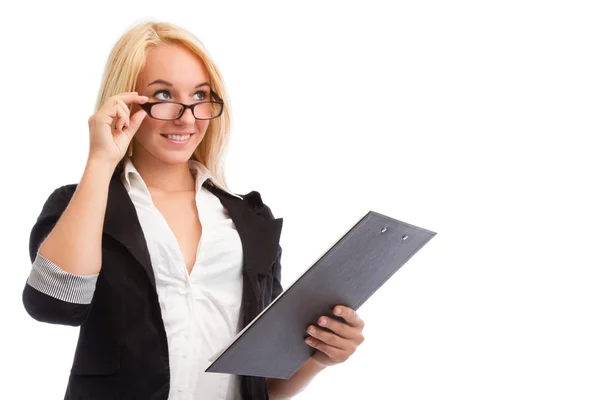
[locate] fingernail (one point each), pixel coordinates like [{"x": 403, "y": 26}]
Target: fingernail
[
  {"x": 338, "y": 311},
  {"x": 323, "y": 321},
  {"x": 311, "y": 330}
]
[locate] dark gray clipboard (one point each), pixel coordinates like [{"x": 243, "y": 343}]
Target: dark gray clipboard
[{"x": 358, "y": 264}]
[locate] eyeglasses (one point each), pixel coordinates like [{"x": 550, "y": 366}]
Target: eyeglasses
[{"x": 172, "y": 110}]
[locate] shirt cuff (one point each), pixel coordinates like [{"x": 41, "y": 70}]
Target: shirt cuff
[{"x": 50, "y": 279}]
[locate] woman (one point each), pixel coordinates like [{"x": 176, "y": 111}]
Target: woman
[{"x": 151, "y": 254}]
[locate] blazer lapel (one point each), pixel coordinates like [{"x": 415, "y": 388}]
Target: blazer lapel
[
  {"x": 122, "y": 224},
  {"x": 259, "y": 233}
]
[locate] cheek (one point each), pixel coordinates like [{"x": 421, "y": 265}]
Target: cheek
[
  {"x": 202, "y": 126},
  {"x": 149, "y": 127}
]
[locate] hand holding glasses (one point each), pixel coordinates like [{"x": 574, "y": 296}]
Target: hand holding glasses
[{"x": 112, "y": 127}]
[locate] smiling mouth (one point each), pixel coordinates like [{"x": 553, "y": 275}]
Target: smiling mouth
[{"x": 177, "y": 138}]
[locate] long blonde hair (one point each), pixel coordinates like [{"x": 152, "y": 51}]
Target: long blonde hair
[{"x": 127, "y": 59}]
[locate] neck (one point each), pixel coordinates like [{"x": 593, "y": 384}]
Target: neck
[{"x": 163, "y": 176}]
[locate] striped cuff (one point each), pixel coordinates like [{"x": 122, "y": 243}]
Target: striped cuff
[{"x": 50, "y": 279}]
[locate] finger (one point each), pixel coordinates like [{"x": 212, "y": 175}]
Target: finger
[
  {"x": 121, "y": 117},
  {"x": 125, "y": 94},
  {"x": 130, "y": 98},
  {"x": 340, "y": 328},
  {"x": 123, "y": 111},
  {"x": 116, "y": 107},
  {"x": 329, "y": 338},
  {"x": 115, "y": 101},
  {"x": 334, "y": 353},
  {"x": 119, "y": 124},
  {"x": 112, "y": 108},
  {"x": 135, "y": 121},
  {"x": 126, "y": 113},
  {"x": 349, "y": 315}
]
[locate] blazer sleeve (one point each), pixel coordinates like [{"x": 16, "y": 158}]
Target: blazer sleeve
[{"x": 51, "y": 294}]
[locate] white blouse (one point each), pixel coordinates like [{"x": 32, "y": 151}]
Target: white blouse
[{"x": 201, "y": 310}]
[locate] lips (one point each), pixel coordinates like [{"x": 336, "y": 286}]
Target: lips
[
  {"x": 176, "y": 134},
  {"x": 177, "y": 138}
]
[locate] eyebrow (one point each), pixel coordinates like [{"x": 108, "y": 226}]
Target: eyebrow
[{"x": 170, "y": 84}]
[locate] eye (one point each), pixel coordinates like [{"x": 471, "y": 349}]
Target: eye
[
  {"x": 158, "y": 92},
  {"x": 203, "y": 93}
]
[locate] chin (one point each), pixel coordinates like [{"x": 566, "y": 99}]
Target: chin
[{"x": 174, "y": 157}]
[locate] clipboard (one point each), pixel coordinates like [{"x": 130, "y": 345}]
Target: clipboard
[{"x": 348, "y": 273}]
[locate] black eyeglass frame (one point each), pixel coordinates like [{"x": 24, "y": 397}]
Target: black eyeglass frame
[{"x": 148, "y": 107}]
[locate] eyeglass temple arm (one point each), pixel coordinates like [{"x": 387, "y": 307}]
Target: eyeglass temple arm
[{"x": 215, "y": 95}]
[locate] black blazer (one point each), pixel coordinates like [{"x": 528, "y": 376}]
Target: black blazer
[{"x": 122, "y": 347}]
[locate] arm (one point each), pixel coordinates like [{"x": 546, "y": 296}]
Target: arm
[
  {"x": 280, "y": 389},
  {"x": 75, "y": 242},
  {"x": 66, "y": 248},
  {"x": 334, "y": 346}
]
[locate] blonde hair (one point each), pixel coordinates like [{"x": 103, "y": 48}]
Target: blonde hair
[{"x": 127, "y": 59}]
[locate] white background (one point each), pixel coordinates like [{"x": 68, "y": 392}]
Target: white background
[{"x": 474, "y": 119}]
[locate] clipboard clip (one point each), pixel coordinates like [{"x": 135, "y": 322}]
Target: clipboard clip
[{"x": 384, "y": 229}]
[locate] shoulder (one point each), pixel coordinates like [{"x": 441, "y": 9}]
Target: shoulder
[
  {"x": 253, "y": 200},
  {"x": 53, "y": 208},
  {"x": 57, "y": 201},
  {"x": 256, "y": 203}
]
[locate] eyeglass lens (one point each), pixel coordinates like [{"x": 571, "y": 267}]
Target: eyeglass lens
[{"x": 171, "y": 110}]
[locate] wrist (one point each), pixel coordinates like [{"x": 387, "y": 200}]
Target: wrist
[
  {"x": 315, "y": 366},
  {"x": 99, "y": 168},
  {"x": 100, "y": 163}
]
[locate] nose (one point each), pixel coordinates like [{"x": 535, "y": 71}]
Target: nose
[{"x": 187, "y": 117}]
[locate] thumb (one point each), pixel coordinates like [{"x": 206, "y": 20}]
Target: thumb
[
  {"x": 135, "y": 121},
  {"x": 124, "y": 137}
]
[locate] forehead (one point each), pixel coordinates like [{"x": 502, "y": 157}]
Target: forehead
[{"x": 173, "y": 63}]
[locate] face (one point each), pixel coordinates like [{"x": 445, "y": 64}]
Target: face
[{"x": 176, "y": 74}]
